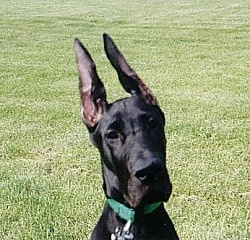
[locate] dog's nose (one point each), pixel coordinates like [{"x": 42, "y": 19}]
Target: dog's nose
[{"x": 149, "y": 174}]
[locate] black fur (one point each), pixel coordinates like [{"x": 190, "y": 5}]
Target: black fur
[{"x": 129, "y": 135}]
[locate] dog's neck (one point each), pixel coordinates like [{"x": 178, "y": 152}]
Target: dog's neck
[
  {"x": 129, "y": 214},
  {"x": 124, "y": 229}
]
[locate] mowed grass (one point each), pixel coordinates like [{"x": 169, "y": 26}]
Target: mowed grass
[{"x": 195, "y": 57}]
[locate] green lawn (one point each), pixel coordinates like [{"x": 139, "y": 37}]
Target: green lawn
[{"x": 194, "y": 55}]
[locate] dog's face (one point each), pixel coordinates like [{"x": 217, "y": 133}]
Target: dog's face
[
  {"x": 130, "y": 137},
  {"x": 129, "y": 133}
]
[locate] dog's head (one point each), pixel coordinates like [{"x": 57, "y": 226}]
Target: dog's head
[{"x": 129, "y": 133}]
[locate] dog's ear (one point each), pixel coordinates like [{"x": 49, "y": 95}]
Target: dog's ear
[
  {"x": 127, "y": 76},
  {"x": 92, "y": 91}
]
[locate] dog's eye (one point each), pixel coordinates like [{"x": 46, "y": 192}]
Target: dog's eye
[
  {"x": 112, "y": 134},
  {"x": 152, "y": 123}
]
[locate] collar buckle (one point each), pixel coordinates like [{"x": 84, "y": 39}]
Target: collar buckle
[
  {"x": 123, "y": 233},
  {"x": 128, "y": 214}
]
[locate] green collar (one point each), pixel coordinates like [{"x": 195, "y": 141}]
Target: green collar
[{"x": 128, "y": 214}]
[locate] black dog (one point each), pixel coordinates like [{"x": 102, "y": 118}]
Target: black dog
[{"x": 129, "y": 135}]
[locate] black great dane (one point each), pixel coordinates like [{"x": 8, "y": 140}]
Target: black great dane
[{"x": 129, "y": 134}]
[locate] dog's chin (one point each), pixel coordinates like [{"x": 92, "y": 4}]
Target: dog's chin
[
  {"x": 155, "y": 196},
  {"x": 140, "y": 194}
]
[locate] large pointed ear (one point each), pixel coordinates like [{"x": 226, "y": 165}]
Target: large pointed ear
[
  {"x": 127, "y": 76},
  {"x": 92, "y": 91}
]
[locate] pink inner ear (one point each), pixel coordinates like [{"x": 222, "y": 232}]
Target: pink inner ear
[
  {"x": 91, "y": 111},
  {"x": 87, "y": 103},
  {"x": 92, "y": 92},
  {"x": 85, "y": 76},
  {"x": 87, "y": 108}
]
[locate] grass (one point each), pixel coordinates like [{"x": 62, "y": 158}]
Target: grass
[{"x": 194, "y": 56}]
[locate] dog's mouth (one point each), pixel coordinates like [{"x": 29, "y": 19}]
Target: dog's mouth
[{"x": 141, "y": 193}]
